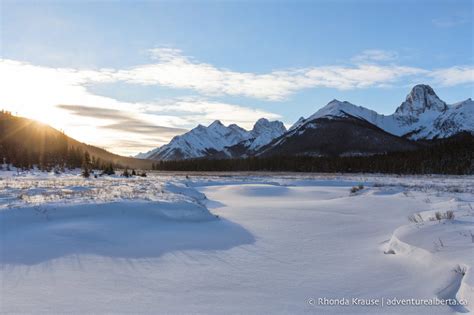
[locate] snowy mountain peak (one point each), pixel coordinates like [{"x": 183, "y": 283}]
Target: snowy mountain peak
[
  {"x": 468, "y": 102},
  {"x": 298, "y": 123},
  {"x": 265, "y": 131},
  {"x": 263, "y": 125},
  {"x": 336, "y": 108},
  {"x": 216, "y": 124},
  {"x": 261, "y": 121},
  {"x": 420, "y": 99},
  {"x": 336, "y": 102}
]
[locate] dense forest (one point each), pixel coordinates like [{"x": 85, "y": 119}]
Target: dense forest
[
  {"x": 449, "y": 156},
  {"x": 25, "y": 143}
]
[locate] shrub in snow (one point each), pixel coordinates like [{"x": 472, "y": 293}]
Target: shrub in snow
[
  {"x": 460, "y": 270},
  {"x": 440, "y": 242},
  {"x": 357, "y": 188},
  {"x": 450, "y": 215},
  {"x": 108, "y": 170},
  {"x": 472, "y": 236},
  {"x": 415, "y": 218},
  {"x": 126, "y": 173},
  {"x": 85, "y": 173}
]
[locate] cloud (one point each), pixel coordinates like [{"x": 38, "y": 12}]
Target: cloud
[
  {"x": 454, "y": 75},
  {"x": 375, "y": 55},
  {"x": 173, "y": 69},
  {"x": 362, "y": 76},
  {"x": 451, "y": 21},
  {"x": 94, "y": 112},
  {"x": 198, "y": 110},
  {"x": 122, "y": 121}
]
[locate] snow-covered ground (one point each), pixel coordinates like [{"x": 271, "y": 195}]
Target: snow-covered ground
[{"x": 249, "y": 243}]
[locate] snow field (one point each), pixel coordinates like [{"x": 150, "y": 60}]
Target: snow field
[{"x": 150, "y": 245}]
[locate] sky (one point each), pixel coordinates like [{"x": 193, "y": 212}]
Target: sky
[{"x": 127, "y": 76}]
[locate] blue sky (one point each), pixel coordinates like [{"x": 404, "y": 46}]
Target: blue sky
[{"x": 174, "y": 64}]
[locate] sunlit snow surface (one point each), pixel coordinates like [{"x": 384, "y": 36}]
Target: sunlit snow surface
[{"x": 269, "y": 243}]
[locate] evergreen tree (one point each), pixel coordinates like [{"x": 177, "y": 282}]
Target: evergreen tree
[
  {"x": 86, "y": 165},
  {"x": 126, "y": 173},
  {"x": 85, "y": 170},
  {"x": 108, "y": 170},
  {"x": 87, "y": 159}
]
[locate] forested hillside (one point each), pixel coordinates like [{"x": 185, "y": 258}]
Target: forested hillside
[{"x": 25, "y": 143}]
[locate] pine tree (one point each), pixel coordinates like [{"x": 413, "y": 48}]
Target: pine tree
[
  {"x": 86, "y": 163},
  {"x": 126, "y": 173},
  {"x": 87, "y": 158},
  {"x": 85, "y": 170}
]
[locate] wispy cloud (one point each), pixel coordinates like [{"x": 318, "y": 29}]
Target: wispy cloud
[
  {"x": 454, "y": 75},
  {"x": 375, "y": 55},
  {"x": 173, "y": 69},
  {"x": 122, "y": 121},
  {"x": 198, "y": 110},
  {"x": 451, "y": 21}
]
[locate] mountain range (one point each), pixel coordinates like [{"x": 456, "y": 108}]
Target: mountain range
[{"x": 338, "y": 129}]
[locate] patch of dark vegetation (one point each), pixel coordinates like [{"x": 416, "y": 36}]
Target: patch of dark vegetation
[{"x": 453, "y": 155}]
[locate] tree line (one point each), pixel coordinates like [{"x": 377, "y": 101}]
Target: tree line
[{"x": 449, "y": 156}]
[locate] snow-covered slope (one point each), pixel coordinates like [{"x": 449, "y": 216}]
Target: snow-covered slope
[
  {"x": 298, "y": 123},
  {"x": 289, "y": 238},
  {"x": 423, "y": 115},
  {"x": 145, "y": 155}
]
